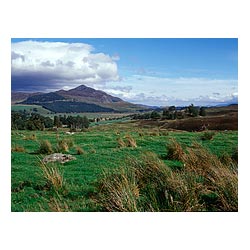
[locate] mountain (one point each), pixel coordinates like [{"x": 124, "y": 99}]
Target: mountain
[
  {"x": 79, "y": 99},
  {"x": 87, "y": 94},
  {"x": 21, "y": 96}
]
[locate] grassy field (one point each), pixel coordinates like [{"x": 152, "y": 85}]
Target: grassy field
[
  {"x": 116, "y": 156},
  {"x": 29, "y": 108}
]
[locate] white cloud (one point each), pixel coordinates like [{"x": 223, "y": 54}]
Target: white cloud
[
  {"x": 177, "y": 91},
  {"x": 59, "y": 64}
]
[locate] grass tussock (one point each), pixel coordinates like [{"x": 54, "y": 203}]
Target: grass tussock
[
  {"x": 17, "y": 148},
  {"x": 174, "y": 151},
  {"x": 30, "y": 137},
  {"x": 64, "y": 145},
  {"x": 219, "y": 179},
  {"x": 208, "y": 135},
  {"x": 57, "y": 204},
  {"x": 53, "y": 176},
  {"x": 121, "y": 143},
  {"x": 130, "y": 141},
  {"x": 147, "y": 184},
  {"x": 79, "y": 151},
  {"x": 45, "y": 147}
]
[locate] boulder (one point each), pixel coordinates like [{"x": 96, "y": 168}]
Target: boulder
[{"x": 62, "y": 158}]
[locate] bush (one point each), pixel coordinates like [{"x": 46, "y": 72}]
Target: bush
[{"x": 45, "y": 147}]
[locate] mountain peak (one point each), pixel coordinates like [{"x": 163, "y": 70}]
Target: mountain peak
[
  {"x": 89, "y": 94},
  {"x": 80, "y": 88}
]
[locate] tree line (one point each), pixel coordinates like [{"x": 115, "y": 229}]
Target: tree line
[
  {"x": 172, "y": 113},
  {"x": 21, "y": 120}
]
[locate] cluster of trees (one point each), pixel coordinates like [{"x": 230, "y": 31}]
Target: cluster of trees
[
  {"x": 73, "y": 122},
  {"x": 21, "y": 120},
  {"x": 172, "y": 113}
]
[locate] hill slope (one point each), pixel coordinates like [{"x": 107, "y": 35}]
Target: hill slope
[{"x": 79, "y": 99}]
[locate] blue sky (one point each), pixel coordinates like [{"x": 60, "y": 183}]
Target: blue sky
[{"x": 151, "y": 71}]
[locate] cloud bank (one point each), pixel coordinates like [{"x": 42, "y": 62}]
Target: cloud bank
[
  {"x": 164, "y": 91},
  {"x": 47, "y": 66}
]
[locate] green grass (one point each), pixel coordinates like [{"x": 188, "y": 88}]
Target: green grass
[
  {"x": 29, "y": 108},
  {"x": 31, "y": 191}
]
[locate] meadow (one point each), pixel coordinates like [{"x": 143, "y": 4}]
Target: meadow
[{"x": 125, "y": 167}]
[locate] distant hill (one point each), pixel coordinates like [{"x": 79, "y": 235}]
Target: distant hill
[
  {"x": 21, "y": 96},
  {"x": 79, "y": 99}
]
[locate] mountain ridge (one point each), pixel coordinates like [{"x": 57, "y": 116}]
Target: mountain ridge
[{"x": 79, "y": 98}]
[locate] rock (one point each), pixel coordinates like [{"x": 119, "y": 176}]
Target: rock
[{"x": 62, "y": 158}]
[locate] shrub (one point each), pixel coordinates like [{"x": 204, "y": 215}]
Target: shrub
[
  {"x": 45, "y": 147},
  {"x": 174, "y": 151}
]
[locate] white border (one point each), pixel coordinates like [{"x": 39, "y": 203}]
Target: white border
[{"x": 128, "y": 18}]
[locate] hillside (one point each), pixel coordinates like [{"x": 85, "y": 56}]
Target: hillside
[
  {"x": 17, "y": 97},
  {"x": 79, "y": 99}
]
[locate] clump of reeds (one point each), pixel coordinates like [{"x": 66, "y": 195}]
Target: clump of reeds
[
  {"x": 53, "y": 176},
  {"x": 17, "y": 148},
  {"x": 45, "y": 147},
  {"x": 174, "y": 151}
]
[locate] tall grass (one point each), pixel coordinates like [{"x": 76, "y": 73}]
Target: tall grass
[
  {"x": 174, "y": 150},
  {"x": 64, "y": 145},
  {"x": 53, "y": 176},
  {"x": 17, "y": 148},
  {"x": 45, "y": 147},
  {"x": 147, "y": 184}
]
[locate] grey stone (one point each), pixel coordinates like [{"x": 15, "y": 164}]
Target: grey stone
[{"x": 62, "y": 158}]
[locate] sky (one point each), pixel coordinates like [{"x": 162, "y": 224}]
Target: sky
[{"x": 150, "y": 71}]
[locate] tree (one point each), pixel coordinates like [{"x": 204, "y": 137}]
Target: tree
[
  {"x": 202, "y": 111},
  {"x": 192, "y": 110},
  {"x": 155, "y": 115},
  {"x": 57, "y": 121},
  {"x": 85, "y": 122}
]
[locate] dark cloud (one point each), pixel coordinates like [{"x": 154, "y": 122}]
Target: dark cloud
[{"x": 51, "y": 65}]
